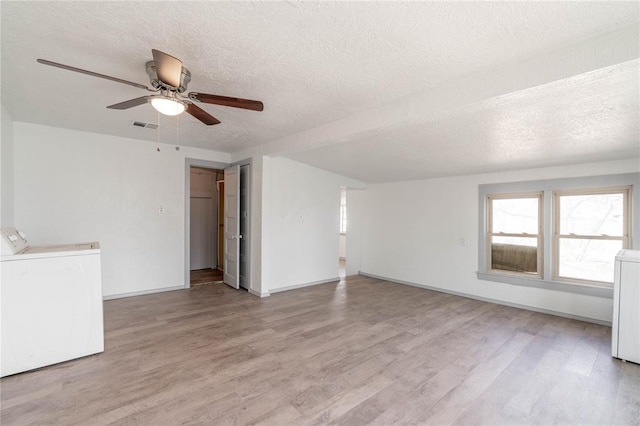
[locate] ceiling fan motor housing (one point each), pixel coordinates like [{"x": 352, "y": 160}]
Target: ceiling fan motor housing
[{"x": 185, "y": 78}]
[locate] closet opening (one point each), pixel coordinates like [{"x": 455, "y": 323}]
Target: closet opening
[{"x": 206, "y": 231}]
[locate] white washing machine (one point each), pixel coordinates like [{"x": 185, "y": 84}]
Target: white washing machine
[
  {"x": 51, "y": 303},
  {"x": 625, "y": 327}
]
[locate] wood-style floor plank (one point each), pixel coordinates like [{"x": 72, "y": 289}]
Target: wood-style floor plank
[{"x": 360, "y": 351}]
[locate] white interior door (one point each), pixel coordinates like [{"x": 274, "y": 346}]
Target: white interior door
[
  {"x": 232, "y": 234},
  {"x": 245, "y": 231}
]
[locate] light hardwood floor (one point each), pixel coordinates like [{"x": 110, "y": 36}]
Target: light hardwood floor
[
  {"x": 205, "y": 276},
  {"x": 356, "y": 352}
]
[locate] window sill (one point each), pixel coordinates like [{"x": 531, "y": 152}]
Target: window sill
[{"x": 589, "y": 290}]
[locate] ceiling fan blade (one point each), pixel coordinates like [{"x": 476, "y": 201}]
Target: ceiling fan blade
[
  {"x": 131, "y": 103},
  {"x": 227, "y": 101},
  {"x": 168, "y": 68},
  {"x": 202, "y": 115},
  {"x": 93, "y": 74}
]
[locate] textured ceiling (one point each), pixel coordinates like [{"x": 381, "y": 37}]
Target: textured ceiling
[
  {"x": 325, "y": 65},
  {"x": 593, "y": 118}
]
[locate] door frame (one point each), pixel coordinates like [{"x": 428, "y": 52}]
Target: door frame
[{"x": 187, "y": 209}]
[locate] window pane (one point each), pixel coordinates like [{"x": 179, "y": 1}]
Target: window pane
[
  {"x": 588, "y": 259},
  {"x": 515, "y": 215},
  {"x": 591, "y": 214},
  {"x": 514, "y": 254}
]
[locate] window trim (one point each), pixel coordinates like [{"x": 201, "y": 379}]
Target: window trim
[{"x": 547, "y": 187}]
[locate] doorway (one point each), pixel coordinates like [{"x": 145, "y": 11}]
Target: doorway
[
  {"x": 342, "y": 246},
  {"x": 216, "y": 230},
  {"x": 206, "y": 224}
]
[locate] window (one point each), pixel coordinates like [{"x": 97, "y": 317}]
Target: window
[
  {"x": 515, "y": 233},
  {"x": 590, "y": 227},
  {"x": 558, "y": 234}
]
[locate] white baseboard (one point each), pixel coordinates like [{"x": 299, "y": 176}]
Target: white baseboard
[
  {"x": 293, "y": 287},
  {"x": 486, "y": 299},
  {"x": 258, "y": 293},
  {"x": 141, "y": 293}
]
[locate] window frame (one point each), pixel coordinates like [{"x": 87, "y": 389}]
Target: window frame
[
  {"x": 343, "y": 211},
  {"x": 548, "y": 187},
  {"x": 625, "y": 191},
  {"x": 343, "y": 219},
  {"x": 539, "y": 235}
]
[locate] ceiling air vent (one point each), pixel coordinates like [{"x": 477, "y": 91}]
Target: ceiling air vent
[{"x": 145, "y": 125}]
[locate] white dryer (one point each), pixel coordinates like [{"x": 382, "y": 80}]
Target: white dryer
[
  {"x": 51, "y": 303},
  {"x": 625, "y": 327}
]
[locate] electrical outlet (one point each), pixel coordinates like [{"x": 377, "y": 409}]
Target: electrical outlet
[
  {"x": 462, "y": 241},
  {"x": 161, "y": 209}
]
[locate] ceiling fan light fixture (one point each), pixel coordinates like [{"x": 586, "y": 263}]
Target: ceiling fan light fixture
[{"x": 167, "y": 106}]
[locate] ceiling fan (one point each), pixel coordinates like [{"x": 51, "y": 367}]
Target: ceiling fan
[{"x": 169, "y": 80}]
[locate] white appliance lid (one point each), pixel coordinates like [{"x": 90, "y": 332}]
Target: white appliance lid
[
  {"x": 60, "y": 248},
  {"x": 38, "y": 252},
  {"x": 629, "y": 255}
]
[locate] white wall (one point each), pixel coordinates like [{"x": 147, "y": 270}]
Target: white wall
[
  {"x": 73, "y": 186},
  {"x": 6, "y": 172},
  {"x": 411, "y": 231},
  {"x": 301, "y": 224}
]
